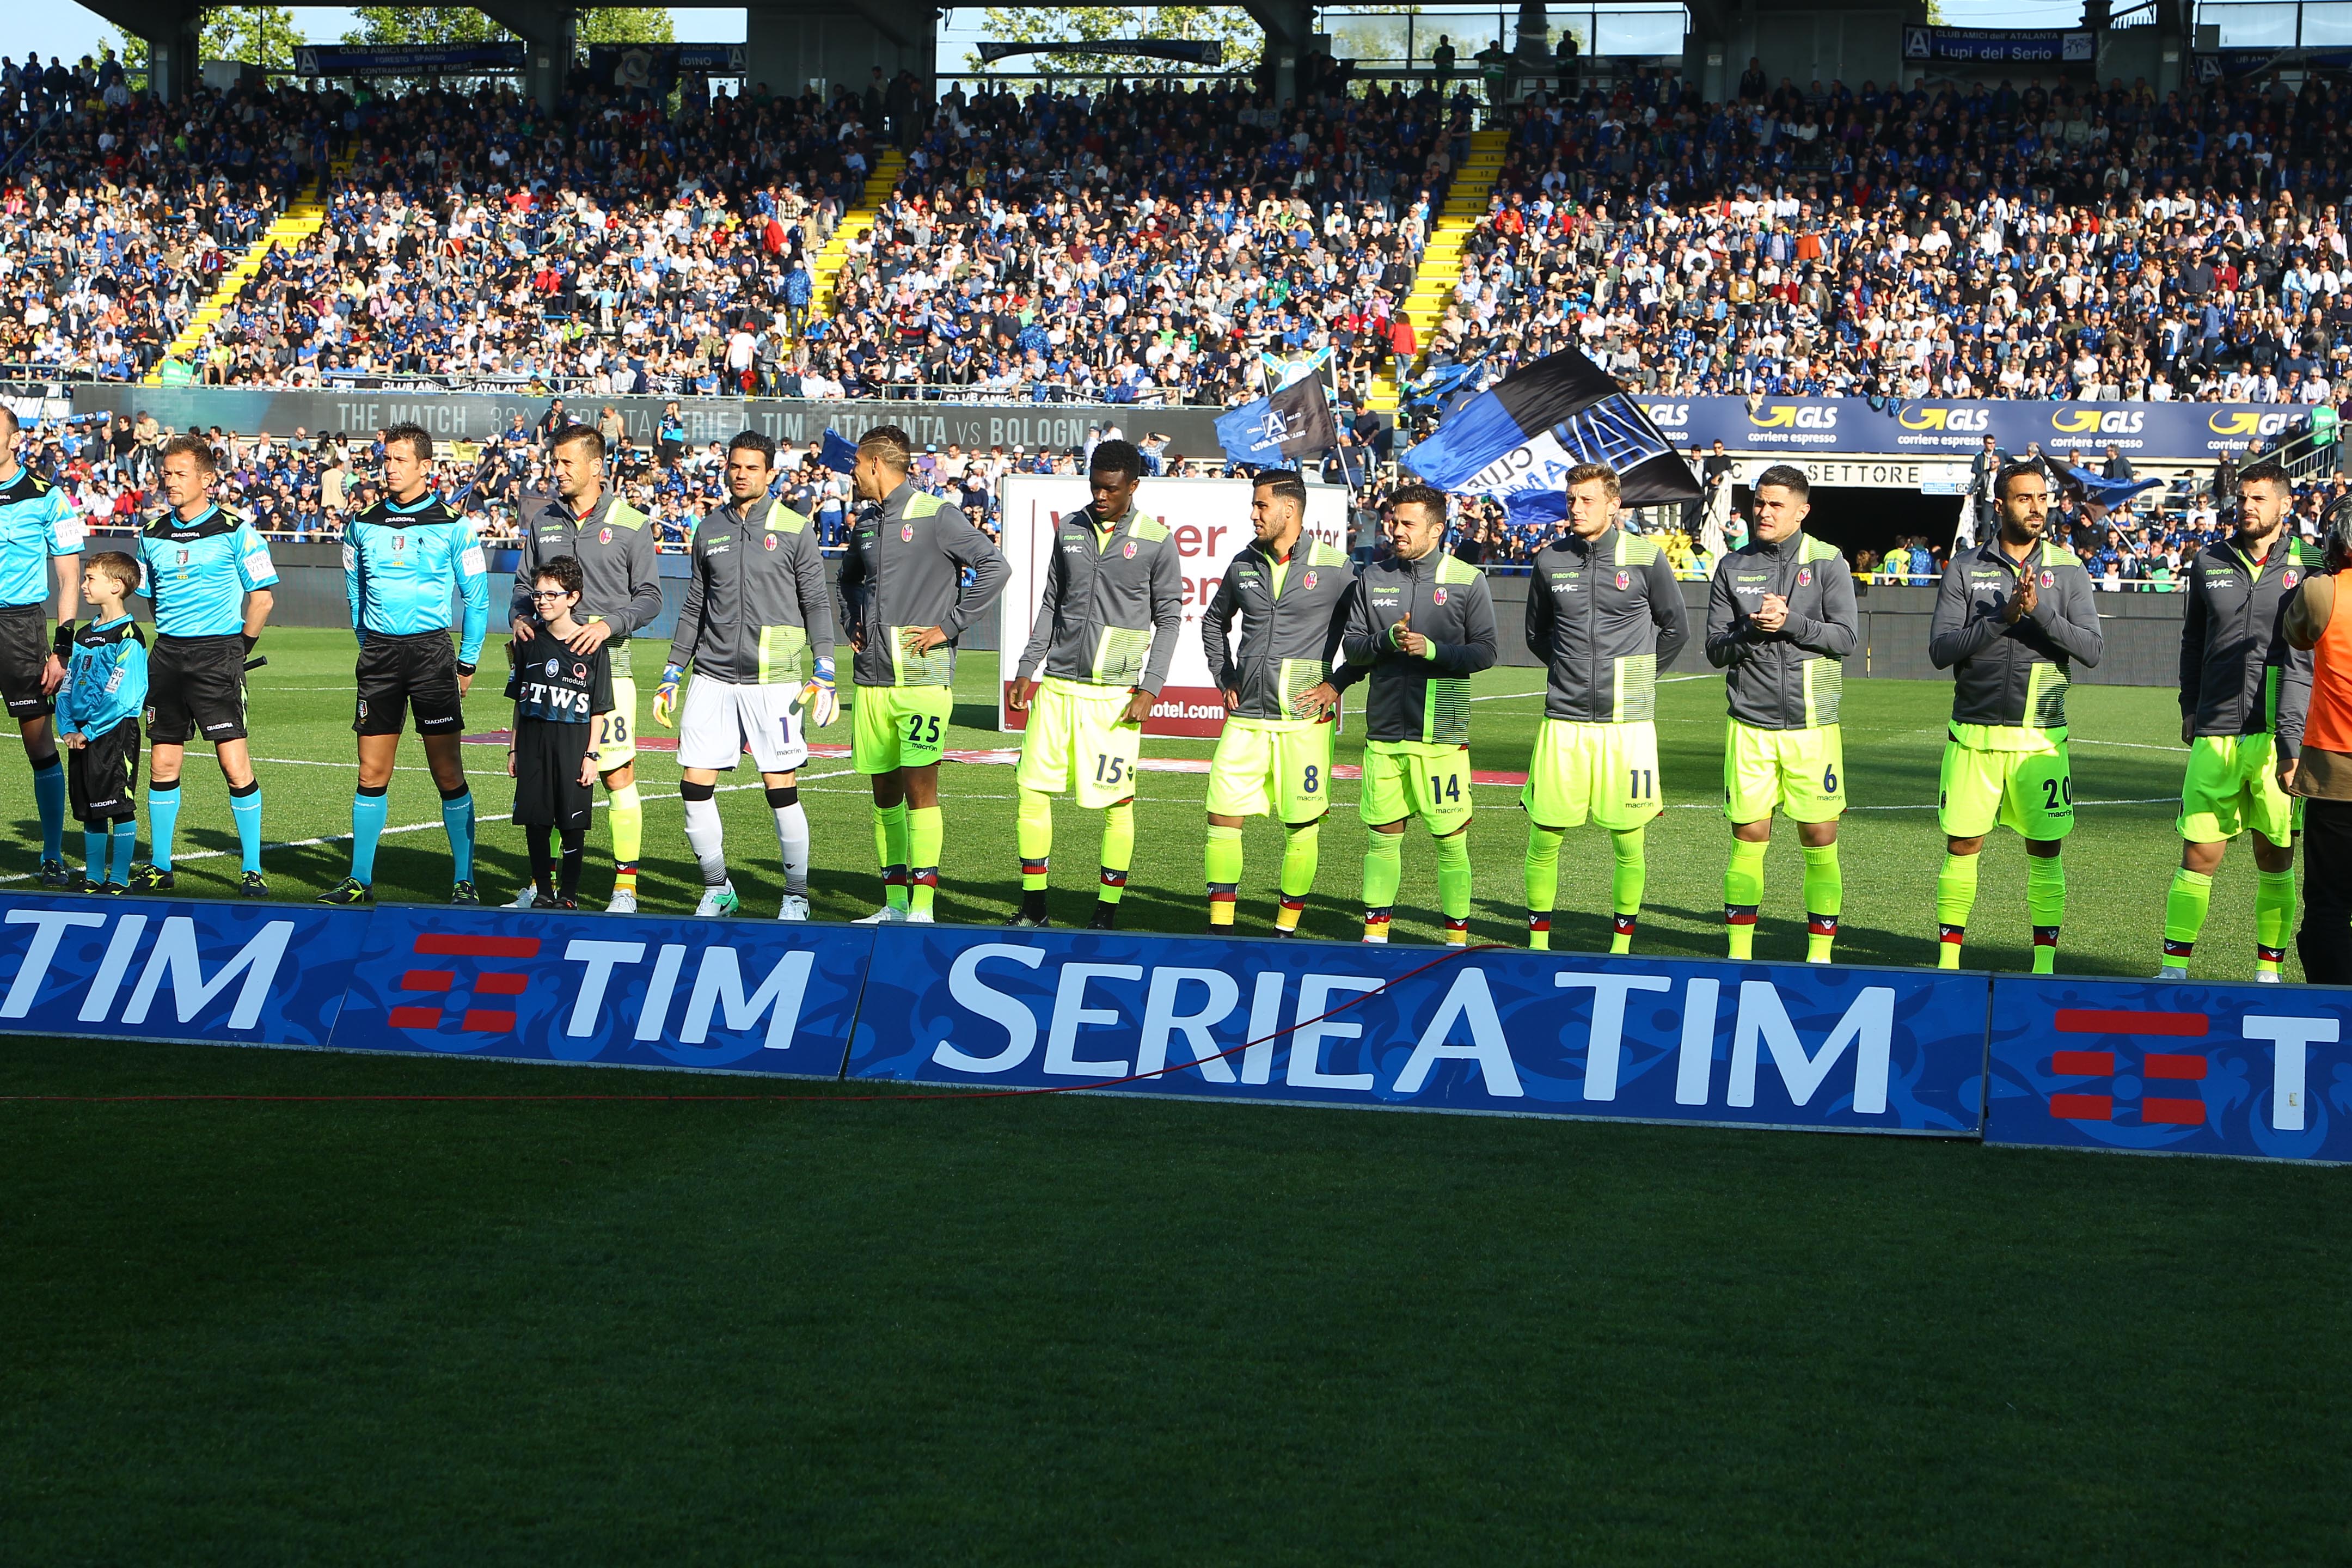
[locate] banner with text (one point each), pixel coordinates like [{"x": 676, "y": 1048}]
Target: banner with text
[
  {"x": 1210, "y": 518},
  {"x": 1827, "y": 425},
  {"x": 1988, "y": 45},
  {"x": 753, "y": 997},
  {"x": 1529, "y": 1033},
  {"x": 2260, "y": 1070}
]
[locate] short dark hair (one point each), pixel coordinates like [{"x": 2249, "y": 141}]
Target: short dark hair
[
  {"x": 2015, "y": 471},
  {"x": 895, "y": 447},
  {"x": 1783, "y": 475},
  {"x": 196, "y": 446},
  {"x": 1116, "y": 458},
  {"x": 1418, "y": 495},
  {"x": 752, "y": 441},
  {"x": 565, "y": 571},
  {"x": 2269, "y": 469},
  {"x": 567, "y": 435},
  {"x": 1592, "y": 473},
  {"x": 117, "y": 565},
  {"x": 419, "y": 439},
  {"x": 1283, "y": 482}
]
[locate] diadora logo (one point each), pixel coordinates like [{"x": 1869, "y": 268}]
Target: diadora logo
[
  {"x": 1790, "y": 417},
  {"x": 480, "y": 983},
  {"x": 2097, "y": 422},
  {"x": 2141, "y": 1084},
  {"x": 1970, "y": 420}
]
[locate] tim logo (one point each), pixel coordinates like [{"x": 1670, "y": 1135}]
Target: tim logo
[
  {"x": 2131, "y": 1083},
  {"x": 481, "y": 984}
]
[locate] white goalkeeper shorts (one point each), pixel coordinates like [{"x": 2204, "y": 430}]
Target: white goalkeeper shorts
[{"x": 722, "y": 721}]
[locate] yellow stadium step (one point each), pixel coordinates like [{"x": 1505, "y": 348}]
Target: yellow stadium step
[
  {"x": 1466, "y": 205},
  {"x": 826, "y": 270},
  {"x": 295, "y": 224}
]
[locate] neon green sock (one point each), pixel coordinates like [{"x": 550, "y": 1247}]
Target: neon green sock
[
  {"x": 2273, "y": 918},
  {"x": 1543, "y": 883},
  {"x": 1033, "y": 834},
  {"x": 1220, "y": 863},
  {"x": 2186, "y": 904},
  {"x": 1453, "y": 884},
  {"x": 1117, "y": 850},
  {"x": 925, "y": 831},
  {"x": 2046, "y": 906},
  {"x": 890, "y": 850},
  {"x": 1300, "y": 856},
  {"x": 1625, "y": 887},
  {"x": 1743, "y": 889},
  {"x": 1956, "y": 895},
  {"x": 1824, "y": 901},
  {"x": 1383, "y": 868}
]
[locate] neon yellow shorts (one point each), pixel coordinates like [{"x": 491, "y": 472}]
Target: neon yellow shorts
[
  {"x": 619, "y": 747},
  {"x": 899, "y": 726},
  {"x": 1079, "y": 743},
  {"x": 1604, "y": 774},
  {"x": 1278, "y": 766},
  {"x": 1799, "y": 771},
  {"x": 1428, "y": 779},
  {"x": 2031, "y": 793},
  {"x": 2232, "y": 785}
]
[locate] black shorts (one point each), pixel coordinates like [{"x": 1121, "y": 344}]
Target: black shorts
[
  {"x": 399, "y": 675},
  {"x": 195, "y": 689},
  {"x": 24, "y": 654},
  {"x": 548, "y": 791},
  {"x": 101, "y": 778}
]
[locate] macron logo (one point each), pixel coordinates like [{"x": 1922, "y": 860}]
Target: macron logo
[{"x": 482, "y": 983}]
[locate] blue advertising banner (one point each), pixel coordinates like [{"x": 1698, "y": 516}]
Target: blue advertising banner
[
  {"x": 765, "y": 997},
  {"x": 2177, "y": 431},
  {"x": 1506, "y": 1032},
  {"x": 2263, "y": 1071},
  {"x": 266, "y": 974}
]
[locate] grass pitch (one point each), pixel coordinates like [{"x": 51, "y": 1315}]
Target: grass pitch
[{"x": 1093, "y": 1330}]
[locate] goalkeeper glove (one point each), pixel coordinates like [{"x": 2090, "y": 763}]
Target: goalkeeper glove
[
  {"x": 666, "y": 697},
  {"x": 820, "y": 703}
]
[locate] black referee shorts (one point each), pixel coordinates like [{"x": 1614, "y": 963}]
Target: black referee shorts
[
  {"x": 548, "y": 791},
  {"x": 24, "y": 654},
  {"x": 101, "y": 777},
  {"x": 196, "y": 689},
  {"x": 401, "y": 675}
]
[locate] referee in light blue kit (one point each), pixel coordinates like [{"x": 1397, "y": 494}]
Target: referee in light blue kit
[
  {"x": 405, "y": 560},
  {"x": 36, "y": 528},
  {"x": 208, "y": 574}
]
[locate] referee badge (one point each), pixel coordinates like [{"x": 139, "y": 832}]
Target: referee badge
[{"x": 1437, "y": 595}]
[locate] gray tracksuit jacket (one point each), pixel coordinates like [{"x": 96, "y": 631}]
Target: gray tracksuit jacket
[
  {"x": 1790, "y": 678},
  {"x": 2013, "y": 676},
  {"x": 904, "y": 569},
  {"x": 1113, "y": 605},
  {"x": 1290, "y": 616},
  {"x": 620, "y": 573},
  {"x": 757, "y": 603},
  {"x": 1418, "y": 699},
  {"x": 2238, "y": 674},
  {"x": 1605, "y": 617}
]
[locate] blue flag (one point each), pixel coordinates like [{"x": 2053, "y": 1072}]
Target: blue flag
[
  {"x": 1527, "y": 431},
  {"x": 2104, "y": 493},
  {"x": 1291, "y": 423},
  {"x": 839, "y": 453}
]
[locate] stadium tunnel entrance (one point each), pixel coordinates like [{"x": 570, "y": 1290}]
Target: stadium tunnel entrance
[{"x": 1856, "y": 518}]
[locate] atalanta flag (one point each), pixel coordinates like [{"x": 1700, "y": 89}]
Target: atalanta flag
[
  {"x": 1523, "y": 435},
  {"x": 839, "y": 453},
  {"x": 1293, "y": 422}
]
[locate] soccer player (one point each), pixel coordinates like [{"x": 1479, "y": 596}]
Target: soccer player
[
  {"x": 2244, "y": 692},
  {"x": 1780, "y": 621},
  {"x": 587, "y": 519},
  {"x": 209, "y": 579},
  {"x": 1417, "y": 714},
  {"x": 1288, "y": 591},
  {"x": 98, "y": 720},
  {"x": 1604, "y": 616},
  {"x": 563, "y": 705},
  {"x": 1104, "y": 638},
  {"x": 757, "y": 627},
  {"x": 404, "y": 559},
  {"x": 2012, "y": 617},
  {"x": 900, "y": 581},
  {"x": 39, "y": 534}
]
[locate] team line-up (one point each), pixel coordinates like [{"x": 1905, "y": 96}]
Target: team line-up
[{"x": 1292, "y": 625}]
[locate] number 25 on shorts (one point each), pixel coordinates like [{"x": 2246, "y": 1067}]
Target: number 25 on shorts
[{"x": 922, "y": 729}]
